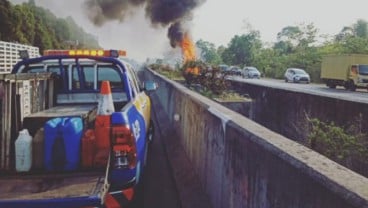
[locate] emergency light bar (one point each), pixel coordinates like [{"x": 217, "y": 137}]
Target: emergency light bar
[{"x": 85, "y": 52}]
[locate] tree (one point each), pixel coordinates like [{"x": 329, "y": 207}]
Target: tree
[
  {"x": 360, "y": 28},
  {"x": 24, "y": 23},
  {"x": 289, "y": 34},
  {"x": 208, "y": 52},
  {"x": 5, "y": 21},
  {"x": 354, "y": 38},
  {"x": 242, "y": 49},
  {"x": 303, "y": 35}
]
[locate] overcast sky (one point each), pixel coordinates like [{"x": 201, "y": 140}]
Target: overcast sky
[{"x": 216, "y": 21}]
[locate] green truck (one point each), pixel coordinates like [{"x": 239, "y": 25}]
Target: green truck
[{"x": 347, "y": 70}]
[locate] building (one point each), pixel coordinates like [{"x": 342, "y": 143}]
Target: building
[{"x": 9, "y": 54}]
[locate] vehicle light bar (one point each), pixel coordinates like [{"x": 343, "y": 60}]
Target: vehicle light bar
[{"x": 85, "y": 52}]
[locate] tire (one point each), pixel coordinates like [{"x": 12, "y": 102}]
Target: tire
[
  {"x": 351, "y": 85},
  {"x": 286, "y": 80},
  {"x": 352, "y": 88},
  {"x": 331, "y": 85}
]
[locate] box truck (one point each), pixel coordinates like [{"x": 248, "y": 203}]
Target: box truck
[{"x": 347, "y": 70}]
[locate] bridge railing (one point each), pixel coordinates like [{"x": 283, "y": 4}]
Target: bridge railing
[{"x": 243, "y": 164}]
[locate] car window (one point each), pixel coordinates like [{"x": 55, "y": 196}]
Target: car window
[
  {"x": 300, "y": 72},
  {"x": 91, "y": 76},
  {"x": 109, "y": 73}
]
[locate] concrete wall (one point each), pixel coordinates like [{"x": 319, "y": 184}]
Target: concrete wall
[
  {"x": 240, "y": 163},
  {"x": 286, "y": 112}
]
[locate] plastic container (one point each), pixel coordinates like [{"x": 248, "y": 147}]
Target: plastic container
[
  {"x": 72, "y": 130},
  {"x": 54, "y": 156},
  {"x": 62, "y": 143},
  {"x": 23, "y": 151},
  {"x": 38, "y": 149},
  {"x": 102, "y": 131},
  {"x": 88, "y": 148}
]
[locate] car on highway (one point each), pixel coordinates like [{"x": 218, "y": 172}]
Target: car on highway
[
  {"x": 235, "y": 70},
  {"x": 223, "y": 67},
  {"x": 251, "y": 72},
  {"x": 296, "y": 75}
]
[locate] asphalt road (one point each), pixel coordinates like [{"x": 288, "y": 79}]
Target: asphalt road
[
  {"x": 159, "y": 189},
  {"x": 360, "y": 95}
]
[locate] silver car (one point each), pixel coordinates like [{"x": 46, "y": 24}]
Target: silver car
[
  {"x": 251, "y": 72},
  {"x": 296, "y": 75}
]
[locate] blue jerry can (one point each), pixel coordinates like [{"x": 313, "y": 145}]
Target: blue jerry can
[
  {"x": 53, "y": 133},
  {"x": 72, "y": 134},
  {"x": 62, "y": 143}
]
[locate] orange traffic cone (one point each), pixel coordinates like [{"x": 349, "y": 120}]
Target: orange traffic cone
[
  {"x": 105, "y": 103},
  {"x": 102, "y": 125}
]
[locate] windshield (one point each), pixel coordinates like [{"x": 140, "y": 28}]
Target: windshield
[
  {"x": 252, "y": 69},
  {"x": 300, "y": 72},
  {"x": 363, "y": 69},
  {"x": 84, "y": 76}
]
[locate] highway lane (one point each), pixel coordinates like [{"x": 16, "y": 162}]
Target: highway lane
[
  {"x": 159, "y": 187},
  {"x": 360, "y": 95}
]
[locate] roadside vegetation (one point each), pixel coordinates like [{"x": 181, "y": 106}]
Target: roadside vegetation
[
  {"x": 208, "y": 81},
  {"x": 299, "y": 46},
  {"x": 345, "y": 145},
  {"x": 29, "y": 24}
]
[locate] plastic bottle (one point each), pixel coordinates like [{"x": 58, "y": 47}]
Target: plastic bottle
[{"x": 23, "y": 151}]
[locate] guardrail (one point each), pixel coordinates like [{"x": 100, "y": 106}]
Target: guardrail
[{"x": 243, "y": 164}]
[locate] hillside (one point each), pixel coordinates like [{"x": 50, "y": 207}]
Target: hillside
[{"x": 32, "y": 25}]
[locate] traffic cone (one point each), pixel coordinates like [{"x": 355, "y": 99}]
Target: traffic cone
[
  {"x": 103, "y": 124},
  {"x": 105, "y": 103}
]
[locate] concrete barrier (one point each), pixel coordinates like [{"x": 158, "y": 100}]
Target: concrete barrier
[{"x": 240, "y": 163}]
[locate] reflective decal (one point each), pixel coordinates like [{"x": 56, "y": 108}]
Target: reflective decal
[{"x": 136, "y": 129}]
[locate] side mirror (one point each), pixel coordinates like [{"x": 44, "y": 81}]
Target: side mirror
[{"x": 150, "y": 85}]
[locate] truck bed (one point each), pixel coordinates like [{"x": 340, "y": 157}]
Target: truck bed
[{"x": 51, "y": 186}]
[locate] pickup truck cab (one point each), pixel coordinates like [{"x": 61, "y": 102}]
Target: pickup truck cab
[{"x": 107, "y": 166}]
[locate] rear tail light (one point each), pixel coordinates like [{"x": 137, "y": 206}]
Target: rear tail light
[{"x": 123, "y": 147}]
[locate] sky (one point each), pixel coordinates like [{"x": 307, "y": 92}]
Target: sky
[{"x": 216, "y": 21}]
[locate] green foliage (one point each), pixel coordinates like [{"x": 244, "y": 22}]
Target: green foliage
[
  {"x": 208, "y": 52},
  {"x": 348, "y": 147},
  {"x": 242, "y": 49},
  {"x": 28, "y": 24},
  {"x": 6, "y": 31},
  {"x": 167, "y": 71}
]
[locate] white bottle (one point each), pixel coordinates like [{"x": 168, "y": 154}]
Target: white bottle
[{"x": 23, "y": 151}]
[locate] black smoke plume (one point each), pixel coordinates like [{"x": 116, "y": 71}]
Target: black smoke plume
[{"x": 160, "y": 12}]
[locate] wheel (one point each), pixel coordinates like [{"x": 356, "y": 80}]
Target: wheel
[
  {"x": 286, "y": 80},
  {"x": 331, "y": 85},
  {"x": 294, "y": 80},
  {"x": 351, "y": 85}
]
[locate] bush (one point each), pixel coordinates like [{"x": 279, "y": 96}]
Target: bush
[
  {"x": 209, "y": 78},
  {"x": 346, "y": 146}
]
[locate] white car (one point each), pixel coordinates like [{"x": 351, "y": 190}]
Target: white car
[
  {"x": 296, "y": 75},
  {"x": 251, "y": 72}
]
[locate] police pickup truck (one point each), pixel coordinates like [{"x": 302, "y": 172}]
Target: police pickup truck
[{"x": 89, "y": 148}]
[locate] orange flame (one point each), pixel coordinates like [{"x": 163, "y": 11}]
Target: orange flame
[{"x": 188, "y": 50}]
